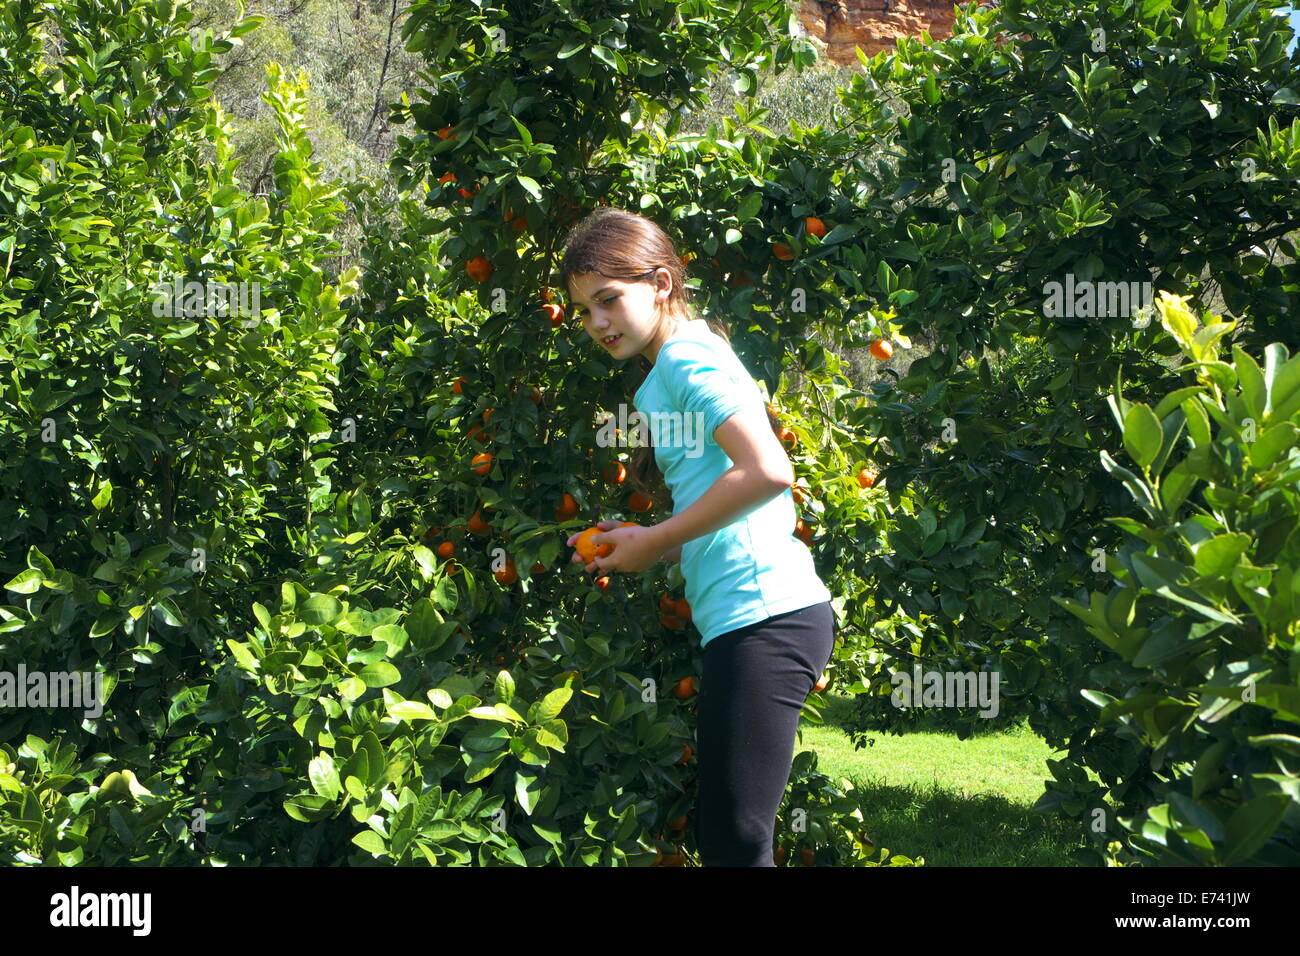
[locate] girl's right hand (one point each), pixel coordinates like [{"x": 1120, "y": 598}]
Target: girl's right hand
[{"x": 605, "y": 525}]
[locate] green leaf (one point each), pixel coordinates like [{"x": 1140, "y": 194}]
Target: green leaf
[
  {"x": 530, "y": 185},
  {"x": 321, "y": 609},
  {"x": 1251, "y": 825},
  {"x": 412, "y": 710},
  {"x": 1142, "y": 434},
  {"x": 324, "y": 776},
  {"x": 1218, "y": 555},
  {"x": 371, "y": 842},
  {"x": 380, "y": 674}
]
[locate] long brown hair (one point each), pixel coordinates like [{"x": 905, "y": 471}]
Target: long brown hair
[{"x": 623, "y": 245}]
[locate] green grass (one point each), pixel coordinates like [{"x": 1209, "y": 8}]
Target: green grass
[{"x": 953, "y": 802}]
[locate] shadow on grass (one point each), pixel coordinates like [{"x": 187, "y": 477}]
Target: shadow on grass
[{"x": 949, "y": 827}]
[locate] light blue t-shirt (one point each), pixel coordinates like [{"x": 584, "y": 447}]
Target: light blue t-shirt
[{"x": 755, "y": 567}]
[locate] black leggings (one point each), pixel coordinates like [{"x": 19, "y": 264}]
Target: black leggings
[{"x": 753, "y": 688}]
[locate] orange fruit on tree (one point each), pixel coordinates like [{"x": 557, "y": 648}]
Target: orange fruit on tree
[
  {"x": 535, "y": 395},
  {"x": 520, "y": 224},
  {"x": 686, "y": 754},
  {"x": 739, "y": 280},
  {"x": 477, "y": 525},
  {"x": 774, "y": 409},
  {"x": 508, "y": 574},
  {"x": 672, "y": 622},
  {"x": 602, "y": 582},
  {"x": 555, "y": 313},
  {"x": 545, "y": 294},
  {"x": 882, "y": 349},
  {"x": 788, "y": 437},
  {"x": 446, "y": 132},
  {"x": 782, "y": 251},
  {"x": 814, "y": 226},
  {"x": 798, "y": 495},
  {"x": 686, "y": 687},
  {"x": 639, "y": 501},
  {"x": 778, "y": 855},
  {"x": 567, "y": 509},
  {"x": 467, "y": 194},
  {"x": 482, "y": 463},
  {"x": 459, "y": 386},
  {"x": 589, "y": 551},
  {"x": 478, "y": 268},
  {"x": 866, "y": 479},
  {"x": 678, "y": 823},
  {"x": 683, "y": 609},
  {"x": 615, "y": 472},
  {"x": 446, "y": 549},
  {"x": 822, "y": 682},
  {"x": 510, "y": 214},
  {"x": 447, "y": 177},
  {"x": 807, "y": 857}
]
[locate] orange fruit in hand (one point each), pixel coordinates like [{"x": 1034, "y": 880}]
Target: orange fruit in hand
[
  {"x": 866, "y": 479},
  {"x": 589, "y": 551},
  {"x": 639, "y": 501},
  {"x": 482, "y": 463},
  {"x": 683, "y": 609},
  {"x": 446, "y": 549},
  {"x": 567, "y": 509},
  {"x": 782, "y": 251},
  {"x": 814, "y": 226},
  {"x": 667, "y": 605},
  {"x": 478, "y": 268},
  {"x": 686, "y": 687},
  {"x": 881, "y": 349}
]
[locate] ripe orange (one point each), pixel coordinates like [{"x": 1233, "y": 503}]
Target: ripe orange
[
  {"x": 807, "y": 857},
  {"x": 451, "y": 568},
  {"x": 555, "y": 313},
  {"x": 774, "y": 409},
  {"x": 519, "y": 225},
  {"x": 778, "y": 855},
  {"x": 446, "y": 132},
  {"x": 459, "y": 387},
  {"x": 508, "y": 574},
  {"x": 814, "y": 226},
  {"x": 510, "y": 214},
  {"x": 545, "y": 294},
  {"x": 788, "y": 437},
  {"x": 667, "y": 605},
  {"x": 686, "y": 754},
  {"x": 866, "y": 479},
  {"x": 465, "y": 193},
  {"x": 881, "y": 349},
  {"x": 672, "y": 622},
  {"x": 602, "y": 582},
  {"x": 482, "y": 463},
  {"x": 822, "y": 682},
  {"x": 477, "y": 525},
  {"x": 678, "y": 823},
  {"x": 478, "y": 268},
  {"x": 535, "y": 396},
  {"x": 446, "y": 549},
  {"x": 686, "y": 687},
  {"x": 782, "y": 251},
  {"x": 567, "y": 509},
  {"x": 798, "y": 495},
  {"x": 487, "y": 413},
  {"x": 639, "y": 501},
  {"x": 683, "y": 609},
  {"x": 447, "y": 177},
  {"x": 615, "y": 472},
  {"x": 587, "y": 551}
]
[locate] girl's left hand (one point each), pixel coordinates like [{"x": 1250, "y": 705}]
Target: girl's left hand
[{"x": 636, "y": 547}]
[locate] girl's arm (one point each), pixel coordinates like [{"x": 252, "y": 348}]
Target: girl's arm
[
  {"x": 761, "y": 470},
  {"x": 673, "y": 554}
]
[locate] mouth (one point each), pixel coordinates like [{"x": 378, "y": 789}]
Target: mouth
[{"x": 611, "y": 340}]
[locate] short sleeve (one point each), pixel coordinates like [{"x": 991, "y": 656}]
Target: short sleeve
[{"x": 697, "y": 383}]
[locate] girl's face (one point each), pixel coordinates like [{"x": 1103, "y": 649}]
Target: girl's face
[{"x": 623, "y": 318}]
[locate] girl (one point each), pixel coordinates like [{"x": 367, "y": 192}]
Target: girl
[{"x": 765, "y": 619}]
